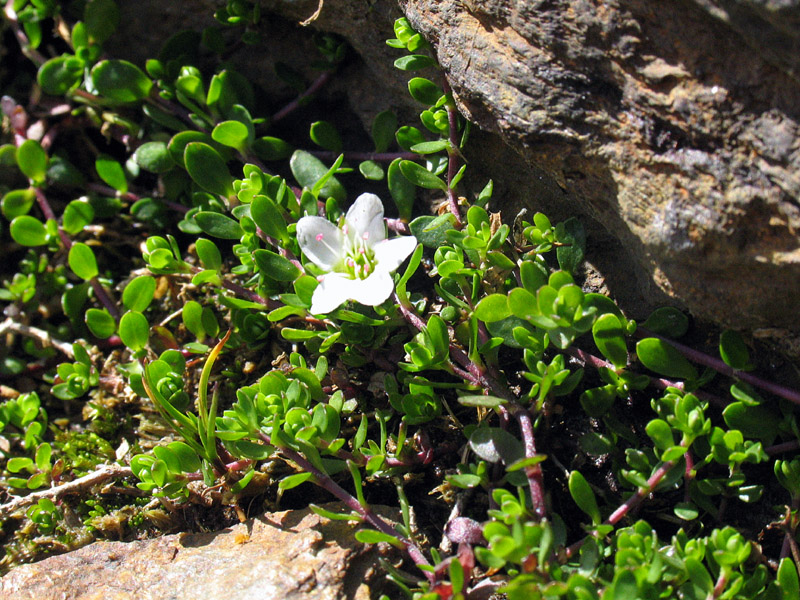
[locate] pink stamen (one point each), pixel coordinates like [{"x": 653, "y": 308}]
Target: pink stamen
[
  {"x": 319, "y": 237},
  {"x": 366, "y": 235}
]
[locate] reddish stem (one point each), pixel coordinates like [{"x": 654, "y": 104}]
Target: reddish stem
[
  {"x": 318, "y": 83},
  {"x": 721, "y": 367}
]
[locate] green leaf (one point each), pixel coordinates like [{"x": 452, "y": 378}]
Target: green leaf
[
  {"x": 610, "y": 339},
  {"x": 733, "y": 351},
  {"x": 582, "y": 494},
  {"x": 32, "y": 161},
  {"x": 274, "y": 266},
  {"x": 383, "y": 128},
  {"x": 424, "y": 90},
  {"x": 430, "y": 147},
  {"x": 138, "y": 294},
  {"x": 208, "y": 253},
  {"x": 661, "y": 434},
  {"x": 408, "y": 136},
  {"x": 403, "y": 192},
  {"x": 431, "y": 231},
  {"x": 699, "y": 575},
  {"x": 177, "y": 145},
  {"x": 419, "y": 175},
  {"x": 686, "y": 511},
  {"x": 414, "y": 62},
  {"x": 43, "y": 454},
  {"x": 667, "y": 321},
  {"x": 371, "y": 170},
  {"x": 218, "y": 225},
  {"x": 100, "y": 323},
  {"x": 111, "y": 172},
  {"x": 271, "y": 148},
  {"x": 573, "y": 236},
  {"x": 788, "y": 580},
  {"x": 208, "y": 169},
  {"x": 154, "y": 157},
  {"x": 232, "y": 133},
  {"x": 325, "y": 135},
  {"x": 659, "y": 356},
  {"x": 120, "y": 81},
  {"x": 493, "y": 308},
  {"x": 758, "y": 422},
  {"x": 293, "y": 481},
  {"x": 268, "y": 217},
  {"x": 493, "y": 445},
  {"x": 192, "y": 316},
  {"x": 17, "y": 202},
  {"x": 82, "y": 261},
  {"x": 308, "y": 170},
  {"x": 101, "y": 18},
  {"x": 487, "y": 401},
  {"x": 61, "y": 74},
  {"x": 370, "y": 536},
  {"x": 77, "y": 215},
  {"x": 134, "y": 330}
]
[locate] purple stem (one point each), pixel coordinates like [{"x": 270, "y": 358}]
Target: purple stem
[
  {"x": 629, "y": 504},
  {"x": 662, "y": 384},
  {"x": 718, "y": 365},
  {"x": 324, "y": 481},
  {"x": 99, "y": 290},
  {"x": 111, "y": 192},
  {"x": 295, "y": 104},
  {"x": 532, "y": 472},
  {"x": 22, "y": 39},
  {"x": 781, "y": 448},
  {"x": 477, "y": 376},
  {"x": 452, "y": 163}
]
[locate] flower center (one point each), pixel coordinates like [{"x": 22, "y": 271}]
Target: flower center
[{"x": 359, "y": 261}]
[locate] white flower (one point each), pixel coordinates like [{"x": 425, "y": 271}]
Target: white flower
[{"x": 358, "y": 257}]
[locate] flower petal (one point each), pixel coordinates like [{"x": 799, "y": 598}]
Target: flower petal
[
  {"x": 365, "y": 219},
  {"x": 390, "y": 254},
  {"x": 321, "y": 241},
  {"x": 332, "y": 292},
  {"x": 373, "y": 290},
  {"x": 336, "y": 288}
]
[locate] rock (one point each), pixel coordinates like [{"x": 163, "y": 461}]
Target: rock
[
  {"x": 674, "y": 126},
  {"x": 286, "y": 555},
  {"x": 669, "y": 128}
]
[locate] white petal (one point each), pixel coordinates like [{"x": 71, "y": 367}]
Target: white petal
[
  {"x": 336, "y": 288},
  {"x": 365, "y": 219},
  {"x": 390, "y": 254},
  {"x": 321, "y": 241},
  {"x": 332, "y": 292},
  {"x": 373, "y": 290}
]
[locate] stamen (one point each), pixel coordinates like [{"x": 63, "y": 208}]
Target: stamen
[{"x": 319, "y": 237}]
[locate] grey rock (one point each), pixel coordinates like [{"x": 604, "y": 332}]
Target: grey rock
[
  {"x": 669, "y": 127},
  {"x": 290, "y": 555},
  {"x": 673, "y": 124}
]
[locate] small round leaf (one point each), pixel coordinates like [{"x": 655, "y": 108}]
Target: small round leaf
[
  {"x": 120, "y": 81},
  {"x": 82, "y": 261},
  {"x": 28, "y": 231},
  {"x": 134, "y": 330},
  {"x": 100, "y": 323}
]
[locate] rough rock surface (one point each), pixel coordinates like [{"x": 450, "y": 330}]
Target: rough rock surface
[
  {"x": 675, "y": 124},
  {"x": 287, "y": 555},
  {"x": 671, "y": 127}
]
